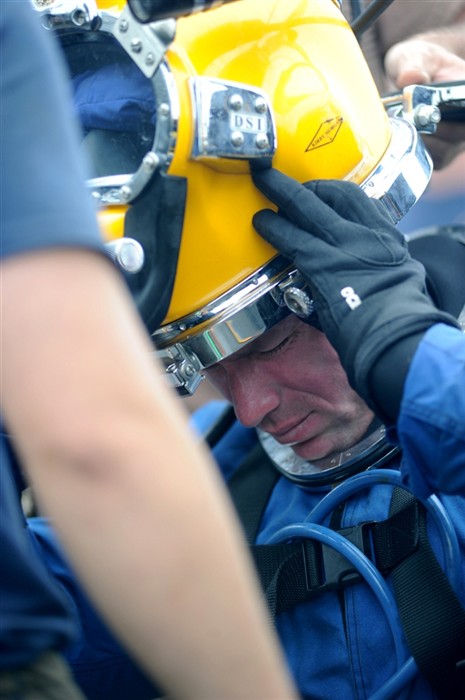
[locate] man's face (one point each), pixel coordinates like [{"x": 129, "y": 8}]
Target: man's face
[{"x": 290, "y": 383}]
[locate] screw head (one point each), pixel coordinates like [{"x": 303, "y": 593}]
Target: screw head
[
  {"x": 188, "y": 370},
  {"x": 427, "y": 114},
  {"x": 136, "y": 45},
  {"x": 261, "y": 141},
  {"x": 237, "y": 139},
  {"x": 125, "y": 193},
  {"x": 236, "y": 102},
  {"x": 151, "y": 160}
]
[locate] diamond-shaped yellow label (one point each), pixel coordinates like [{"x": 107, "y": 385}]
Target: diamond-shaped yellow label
[{"x": 326, "y": 133}]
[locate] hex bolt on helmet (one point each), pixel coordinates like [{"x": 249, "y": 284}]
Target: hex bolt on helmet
[{"x": 175, "y": 111}]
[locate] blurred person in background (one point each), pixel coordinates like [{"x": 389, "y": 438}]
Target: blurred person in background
[{"x": 414, "y": 42}]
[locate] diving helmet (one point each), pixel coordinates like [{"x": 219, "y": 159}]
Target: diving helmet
[{"x": 176, "y": 112}]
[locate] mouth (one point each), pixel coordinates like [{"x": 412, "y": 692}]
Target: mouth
[
  {"x": 306, "y": 438},
  {"x": 297, "y": 433}
]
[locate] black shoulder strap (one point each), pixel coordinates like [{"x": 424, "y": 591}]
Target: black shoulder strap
[
  {"x": 250, "y": 488},
  {"x": 292, "y": 573},
  {"x": 432, "y": 616},
  {"x": 281, "y": 567}
]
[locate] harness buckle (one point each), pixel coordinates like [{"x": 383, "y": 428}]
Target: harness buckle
[{"x": 334, "y": 571}]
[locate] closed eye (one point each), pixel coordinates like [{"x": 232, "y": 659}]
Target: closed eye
[{"x": 277, "y": 348}]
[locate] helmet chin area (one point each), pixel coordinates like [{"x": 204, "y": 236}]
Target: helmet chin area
[{"x": 372, "y": 451}]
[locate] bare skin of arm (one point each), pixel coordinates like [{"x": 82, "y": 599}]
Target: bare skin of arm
[{"x": 137, "y": 504}]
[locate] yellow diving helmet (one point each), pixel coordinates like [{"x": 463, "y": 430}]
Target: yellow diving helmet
[{"x": 210, "y": 93}]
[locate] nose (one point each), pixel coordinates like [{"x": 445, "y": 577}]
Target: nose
[{"x": 251, "y": 390}]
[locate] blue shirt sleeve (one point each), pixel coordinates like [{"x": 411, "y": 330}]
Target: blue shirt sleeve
[
  {"x": 431, "y": 425},
  {"x": 44, "y": 199},
  {"x": 43, "y": 204}
]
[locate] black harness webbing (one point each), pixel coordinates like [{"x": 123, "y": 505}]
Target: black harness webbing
[
  {"x": 432, "y": 616},
  {"x": 250, "y": 487},
  {"x": 291, "y": 573}
]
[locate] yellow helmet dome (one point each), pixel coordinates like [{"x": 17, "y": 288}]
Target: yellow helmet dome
[{"x": 252, "y": 81}]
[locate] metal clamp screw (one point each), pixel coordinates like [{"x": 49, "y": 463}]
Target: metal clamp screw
[
  {"x": 298, "y": 302},
  {"x": 426, "y": 114}
]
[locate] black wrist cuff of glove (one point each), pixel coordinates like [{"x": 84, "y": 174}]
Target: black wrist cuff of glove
[
  {"x": 386, "y": 379},
  {"x": 391, "y": 343}
]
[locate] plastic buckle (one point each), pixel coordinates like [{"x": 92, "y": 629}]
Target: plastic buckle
[{"x": 334, "y": 570}]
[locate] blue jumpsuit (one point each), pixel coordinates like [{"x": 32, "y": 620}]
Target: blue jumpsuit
[{"x": 337, "y": 646}]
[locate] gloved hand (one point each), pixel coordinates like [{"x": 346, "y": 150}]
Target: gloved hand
[{"x": 369, "y": 293}]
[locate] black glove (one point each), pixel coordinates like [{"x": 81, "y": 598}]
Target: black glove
[{"x": 369, "y": 293}]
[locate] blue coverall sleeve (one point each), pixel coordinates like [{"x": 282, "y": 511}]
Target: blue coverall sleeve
[{"x": 431, "y": 425}]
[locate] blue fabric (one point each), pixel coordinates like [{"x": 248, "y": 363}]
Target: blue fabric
[
  {"x": 116, "y": 97},
  {"x": 33, "y": 612},
  {"x": 100, "y": 665},
  {"x": 40, "y": 208},
  {"x": 342, "y": 650},
  {"x": 431, "y": 425},
  {"x": 43, "y": 181},
  {"x": 334, "y": 649}
]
